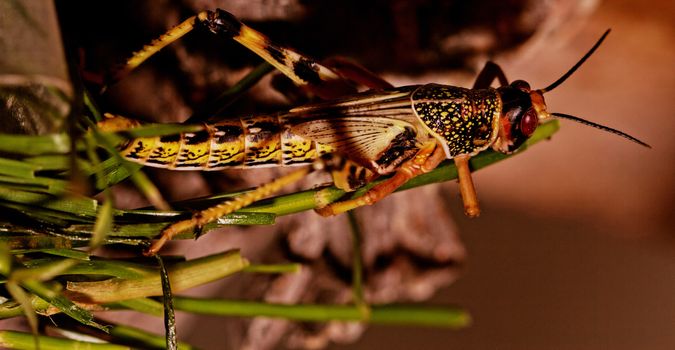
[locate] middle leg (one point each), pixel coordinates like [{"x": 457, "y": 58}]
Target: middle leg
[
  {"x": 487, "y": 75},
  {"x": 427, "y": 159}
]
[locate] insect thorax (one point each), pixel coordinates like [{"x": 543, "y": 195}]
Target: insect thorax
[{"x": 465, "y": 119}]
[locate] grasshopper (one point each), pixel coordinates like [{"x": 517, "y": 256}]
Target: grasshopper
[{"x": 357, "y": 137}]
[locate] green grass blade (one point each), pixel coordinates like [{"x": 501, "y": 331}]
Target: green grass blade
[
  {"x": 56, "y": 162},
  {"x": 357, "y": 265},
  {"x": 273, "y": 268},
  {"x": 32, "y": 145},
  {"x": 104, "y": 222},
  {"x": 19, "y": 340},
  {"x": 142, "y": 339},
  {"x": 25, "y": 301},
  {"x": 113, "y": 172},
  {"x": 113, "y": 268},
  {"x": 5, "y": 259},
  {"x": 145, "y": 305},
  {"x": 183, "y": 276},
  {"x": 169, "y": 313},
  {"x": 449, "y": 317},
  {"x": 413, "y": 315},
  {"x": 17, "y": 168},
  {"x": 62, "y": 303},
  {"x": 35, "y": 184},
  {"x": 43, "y": 272},
  {"x": 121, "y": 230},
  {"x": 79, "y": 206},
  {"x": 68, "y": 253}
]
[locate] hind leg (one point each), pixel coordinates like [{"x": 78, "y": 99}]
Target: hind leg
[{"x": 205, "y": 216}]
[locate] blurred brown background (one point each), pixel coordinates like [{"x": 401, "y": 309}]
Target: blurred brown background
[{"x": 575, "y": 248}]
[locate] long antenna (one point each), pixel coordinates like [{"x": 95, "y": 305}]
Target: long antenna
[
  {"x": 576, "y": 66},
  {"x": 601, "y": 127}
]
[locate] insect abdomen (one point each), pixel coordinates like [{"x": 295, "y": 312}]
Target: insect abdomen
[{"x": 246, "y": 142}]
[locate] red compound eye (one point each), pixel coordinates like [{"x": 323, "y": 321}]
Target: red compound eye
[{"x": 529, "y": 122}]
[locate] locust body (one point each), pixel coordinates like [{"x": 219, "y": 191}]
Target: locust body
[
  {"x": 377, "y": 129},
  {"x": 402, "y": 132}
]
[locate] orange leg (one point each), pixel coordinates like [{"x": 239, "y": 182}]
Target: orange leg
[
  {"x": 211, "y": 214},
  {"x": 466, "y": 188},
  {"x": 424, "y": 161},
  {"x": 487, "y": 75}
]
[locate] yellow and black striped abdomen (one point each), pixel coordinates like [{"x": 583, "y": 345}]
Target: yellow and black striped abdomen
[{"x": 235, "y": 143}]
